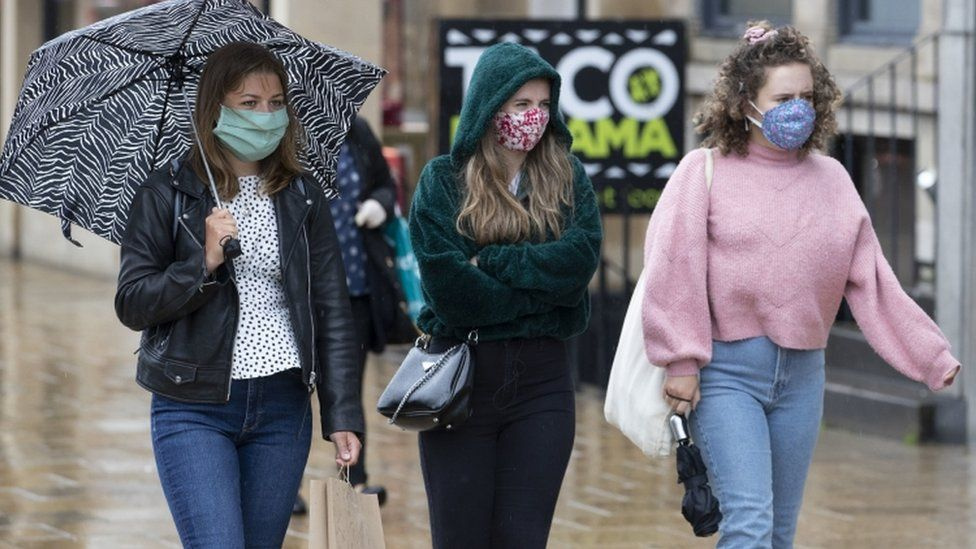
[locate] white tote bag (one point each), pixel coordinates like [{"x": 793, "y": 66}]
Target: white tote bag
[{"x": 635, "y": 394}]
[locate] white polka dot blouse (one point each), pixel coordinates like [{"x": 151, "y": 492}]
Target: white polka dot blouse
[{"x": 265, "y": 342}]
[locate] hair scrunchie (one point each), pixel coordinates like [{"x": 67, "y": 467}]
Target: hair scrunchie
[{"x": 755, "y": 35}]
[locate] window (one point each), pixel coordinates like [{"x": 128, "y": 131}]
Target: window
[
  {"x": 61, "y": 16},
  {"x": 883, "y": 171},
  {"x": 879, "y": 21},
  {"x": 728, "y": 17}
]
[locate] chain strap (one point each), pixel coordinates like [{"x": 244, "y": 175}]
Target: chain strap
[{"x": 433, "y": 370}]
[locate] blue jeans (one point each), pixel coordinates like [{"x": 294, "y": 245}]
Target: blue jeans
[
  {"x": 757, "y": 425},
  {"x": 230, "y": 472}
]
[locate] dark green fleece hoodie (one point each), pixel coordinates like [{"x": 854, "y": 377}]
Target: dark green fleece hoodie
[{"x": 518, "y": 290}]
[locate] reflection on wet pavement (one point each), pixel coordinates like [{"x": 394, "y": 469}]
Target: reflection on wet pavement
[{"x": 76, "y": 465}]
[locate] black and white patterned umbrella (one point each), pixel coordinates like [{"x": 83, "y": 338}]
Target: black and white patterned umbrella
[{"x": 101, "y": 107}]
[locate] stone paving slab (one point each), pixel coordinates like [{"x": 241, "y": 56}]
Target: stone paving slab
[{"x": 76, "y": 465}]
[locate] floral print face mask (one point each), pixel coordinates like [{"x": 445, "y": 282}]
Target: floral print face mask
[
  {"x": 521, "y": 131},
  {"x": 788, "y": 125}
]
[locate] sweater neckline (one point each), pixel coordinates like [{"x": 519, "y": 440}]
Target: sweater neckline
[{"x": 772, "y": 157}]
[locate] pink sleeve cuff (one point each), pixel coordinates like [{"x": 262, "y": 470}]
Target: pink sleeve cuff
[
  {"x": 944, "y": 363},
  {"x": 683, "y": 368}
]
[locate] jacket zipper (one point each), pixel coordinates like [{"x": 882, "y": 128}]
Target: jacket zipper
[
  {"x": 311, "y": 308},
  {"x": 237, "y": 325},
  {"x": 237, "y": 316}
]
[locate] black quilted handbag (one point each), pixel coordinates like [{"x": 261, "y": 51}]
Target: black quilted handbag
[{"x": 432, "y": 387}]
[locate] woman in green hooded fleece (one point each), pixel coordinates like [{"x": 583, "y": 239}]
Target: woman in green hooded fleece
[{"x": 507, "y": 234}]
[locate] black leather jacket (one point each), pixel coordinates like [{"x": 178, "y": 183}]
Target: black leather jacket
[{"x": 189, "y": 322}]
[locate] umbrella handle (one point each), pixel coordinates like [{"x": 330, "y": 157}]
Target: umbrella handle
[
  {"x": 679, "y": 428},
  {"x": 231, "y": 246},
  {"x": 206, "y": 166}
]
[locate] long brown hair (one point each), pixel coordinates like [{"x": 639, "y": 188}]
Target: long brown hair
[
  {"x": 743, "y": 73},
  {"x": 224, "y": 72},
  {"x": 491, "y": 214}
]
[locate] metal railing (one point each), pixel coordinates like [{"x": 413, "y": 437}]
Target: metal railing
[{"x": 889, "y": 145}]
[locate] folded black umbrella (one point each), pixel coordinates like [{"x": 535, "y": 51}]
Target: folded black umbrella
[{"x": 699, "y": 506}]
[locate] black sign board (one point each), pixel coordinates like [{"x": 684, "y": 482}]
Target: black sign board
[{"x": 622, "y": 94}]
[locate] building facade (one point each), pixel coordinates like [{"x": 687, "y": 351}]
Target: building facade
[{"x": 907, "y": 66}]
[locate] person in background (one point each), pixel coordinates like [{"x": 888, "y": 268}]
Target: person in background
[
  {"x": 232, "y": 350},
  {"x": 507, "y": 234},
  {"x": 367, "y": 195},
  {"x": 747, "y": 277}
]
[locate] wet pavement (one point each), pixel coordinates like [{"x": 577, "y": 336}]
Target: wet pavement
[{"x": 76, "y": 465}]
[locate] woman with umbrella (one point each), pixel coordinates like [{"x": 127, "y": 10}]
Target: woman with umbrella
[
  {"x": 232, "y": 350},
  {"x": 746, "y": 277}
]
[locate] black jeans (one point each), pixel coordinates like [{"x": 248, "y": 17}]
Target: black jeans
[{"x": 493, "y": 482}]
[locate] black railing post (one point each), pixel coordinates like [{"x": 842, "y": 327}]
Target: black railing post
[
  {"x": 849, "y": 136},
  {"x": 625, "y": 220},
  {"x": 935, "y": 114},
  {"x": 603, "y": 323},
  {"x": 892, "y": 168},
  {"x": 913, "y": 101},
  {"x": 913, "y": 161},
  {"x": 872, "y": 168}
]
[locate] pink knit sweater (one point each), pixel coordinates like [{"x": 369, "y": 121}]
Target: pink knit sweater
[{"x": 770, "y": 251}]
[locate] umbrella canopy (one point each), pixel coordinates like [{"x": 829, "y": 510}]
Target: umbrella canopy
[
  {"x": 103, "y": 106},
  {"x": 699, "y": 506}
]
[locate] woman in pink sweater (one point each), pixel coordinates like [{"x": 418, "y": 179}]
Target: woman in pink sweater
[{"x": 747, "y": 277}]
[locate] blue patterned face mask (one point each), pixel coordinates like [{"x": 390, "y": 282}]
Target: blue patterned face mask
[
  {"x": 251, "y": 135},
  {"x": 788, "y": 125}
]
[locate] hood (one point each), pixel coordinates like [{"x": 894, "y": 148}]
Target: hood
[{"x": 501, "y": 70}]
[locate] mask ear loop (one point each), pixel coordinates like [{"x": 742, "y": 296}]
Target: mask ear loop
[{"x": 747, "y": 118}]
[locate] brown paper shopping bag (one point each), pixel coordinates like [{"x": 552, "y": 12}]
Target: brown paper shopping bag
[{"x": 339, "y": 517}]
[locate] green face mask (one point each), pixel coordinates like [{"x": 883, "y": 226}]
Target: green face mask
[{"x": 251, "y": 135}]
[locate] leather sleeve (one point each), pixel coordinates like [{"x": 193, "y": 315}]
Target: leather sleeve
[
  {"x": 339, "y": 389},
  {"x": 154, "y": 285}
]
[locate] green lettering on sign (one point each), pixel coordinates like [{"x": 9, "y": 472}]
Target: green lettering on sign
[
  {"x": 656, "y": 137},
  {"x": 597, "y": 140}
]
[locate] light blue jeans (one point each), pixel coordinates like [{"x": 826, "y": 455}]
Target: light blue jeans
[{"x": 757, "y": 425}]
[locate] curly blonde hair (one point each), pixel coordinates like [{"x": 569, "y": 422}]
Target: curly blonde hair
[{"x": 743, "y": 73}]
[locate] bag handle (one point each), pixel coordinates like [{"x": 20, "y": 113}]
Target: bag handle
[{"x": 423, "y": 341}]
